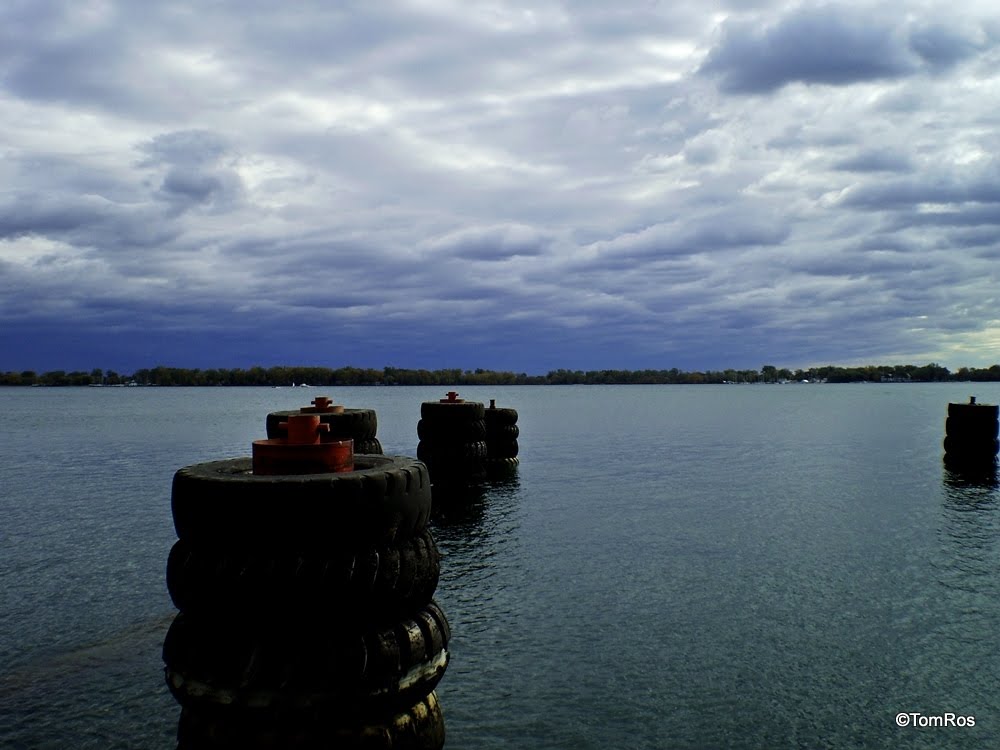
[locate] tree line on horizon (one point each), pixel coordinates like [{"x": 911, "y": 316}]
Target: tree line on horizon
[{"x": 354, "y": 376}]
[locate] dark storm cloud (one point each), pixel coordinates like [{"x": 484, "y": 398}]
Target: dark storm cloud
[
  {"x": 46, "y": 58},
  {"x": 719, "y": 232},
  {"x": 832, "y": 45},
  {"x": 195, "y": 187},
  {"x": 978, "y": 185},
  {"x": 941, "y": 46},
  {"x": 822, "y": 45},
  {"x": 191, "y": 148},
  {"x": 497, "y": 183},
  {"x": 44, "y": 215},
  {"x": 875, "y": 161},
  {"x": 198, "y": 169},
  {"x": 84, "y": 221}
]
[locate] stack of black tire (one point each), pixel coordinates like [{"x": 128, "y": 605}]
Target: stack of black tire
[
  {"x": 452, "y": 442},
  {"x": 501, "y": 439},
  {"x": 971, "y": 432},
  {"x": 306, "y": 611},
  {"x": 359, "y": 425}
]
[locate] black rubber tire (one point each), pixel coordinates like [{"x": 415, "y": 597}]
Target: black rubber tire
[
  {"x": 497, "y": 465},
  {"x": 973, "y": 429},
  {"x": 500, "y": 416},
  {"x": 444, "y": 452},
  {"x": 974, "y": 411},
  {"x": 971, "y": 446},
  {"x": 447, "y": 414},
  {"x": 504, "y": 449},
  {"x": 339, "y": 666},
  {"x": 378, "y": 580},
  {"x": 384, "y": 501},
  {"x": 359, "y": 424},
  {"x": 368, "y": 446},
  {"x": 418, "y": 727},
  {"x": 458, "y": 432},
  {"x": 498, "y": 470},
  {"x": 979, "y": 470},
  {"x": 502, "y": 432}
]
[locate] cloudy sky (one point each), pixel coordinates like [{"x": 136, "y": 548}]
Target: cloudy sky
[{"x": 508, "y": 184}]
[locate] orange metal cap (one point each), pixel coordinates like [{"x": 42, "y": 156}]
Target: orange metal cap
[
  {"x": 322, "y": 405},
  {"x": 274, "y": 457},
  {"x": 304, "y": 429}
]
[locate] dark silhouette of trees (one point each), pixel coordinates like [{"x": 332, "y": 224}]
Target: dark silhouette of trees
[{"x": 352, "y": 376}]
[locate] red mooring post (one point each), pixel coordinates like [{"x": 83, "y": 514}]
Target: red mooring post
[{"x": 302, "y": 451}]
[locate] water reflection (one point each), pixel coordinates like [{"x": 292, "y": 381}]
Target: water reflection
[
  {"x": 466, "y": 504},
  {"x": 458, "y": 505},
  {"x": 969, "y": 516},
  {"x": 965, "y": 477},
  {"x": 963, "y": 468},
  {"x": 475, "y": 529},
  {"x": 965, "y": 568}
]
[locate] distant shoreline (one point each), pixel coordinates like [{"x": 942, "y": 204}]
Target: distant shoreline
[{"x": 287, "y": 377}]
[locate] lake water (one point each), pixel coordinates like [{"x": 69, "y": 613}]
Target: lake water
[{"x": 670, "y": 567}]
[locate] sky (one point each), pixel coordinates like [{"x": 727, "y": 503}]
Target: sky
[{"x": 506, "y": 184}]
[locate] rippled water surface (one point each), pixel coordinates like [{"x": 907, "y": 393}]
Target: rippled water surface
[{"x": 671, "y": 566}]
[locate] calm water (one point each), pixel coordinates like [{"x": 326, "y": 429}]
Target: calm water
[{"x": 671, "y": 567}]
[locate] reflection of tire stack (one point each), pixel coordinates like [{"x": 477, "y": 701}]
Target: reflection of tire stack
[
  {"x": 306, "y": 613},
  {"x": 971, "y": 435},
  {"x": 359, "y": 425},
  {"x": 501, "y": 438},
  {"x": 452, "y": 441}
]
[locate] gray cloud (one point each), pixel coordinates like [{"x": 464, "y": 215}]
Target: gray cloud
[
  {"x": 497, "y": 183},
  {"x": 823, "y": 45},
  {"x": 941, "y": 46},
  {"x": 872, "y": 160},
  {"x": 188, "y": 148},
  {"x": 977, "y": 185},
  {"x": 837, "y": 46},
  {"x": 490, "y": 243}
]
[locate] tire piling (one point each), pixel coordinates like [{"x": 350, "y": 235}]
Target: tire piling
[
  {"x": 359, "y": 425},
  {"x": 452, "y": 443},
  {"x": 970, "y": 442},
  {"x": 501, "y": 439},
  {"x": 307, "y": 616}
]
